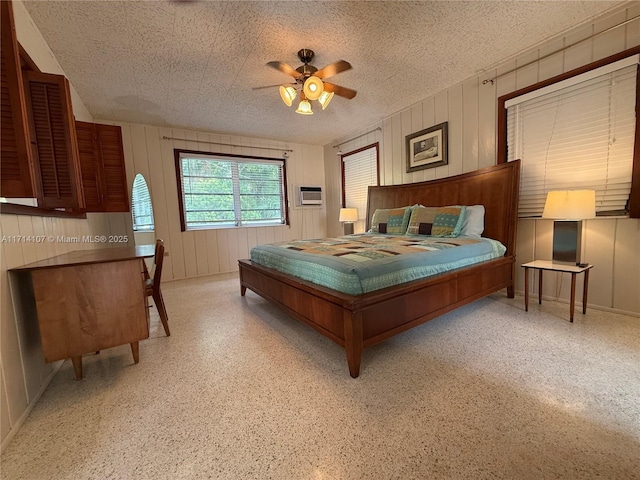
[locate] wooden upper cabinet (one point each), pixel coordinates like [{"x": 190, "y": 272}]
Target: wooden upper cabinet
[
  {"x": 53, "y": 140},
  {"x": 16, "y": 166},
  {"x": 102, "y": 165}
]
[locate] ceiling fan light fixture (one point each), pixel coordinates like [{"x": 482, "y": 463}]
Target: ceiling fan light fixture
[
  {"x": 288, "y": 94},
  {"x": 325, "y": 98},
  {"x": 304, "y": 108},
  {"x": 313, "y": 87}
]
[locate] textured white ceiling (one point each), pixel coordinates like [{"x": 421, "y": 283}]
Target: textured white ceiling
[{"x": 193, "y": 64}]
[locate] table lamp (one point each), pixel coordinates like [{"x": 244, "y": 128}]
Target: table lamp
[
  {"x": 348, "y": 216},
  {"x": 568, "y": 208}
]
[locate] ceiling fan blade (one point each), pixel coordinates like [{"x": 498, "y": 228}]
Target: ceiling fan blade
[
  {"x": 284, "y": 68},
  {"x": 272, "y": 86},
  {"x": 332, "y": 69},
  {"x": 341, "y": 91}
]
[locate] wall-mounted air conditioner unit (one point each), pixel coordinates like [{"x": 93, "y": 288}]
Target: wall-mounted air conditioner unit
[{"x": 310, "y": 195}]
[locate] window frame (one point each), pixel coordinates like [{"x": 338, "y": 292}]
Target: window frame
[
  {"x": 183, "y": 223},
  {"x": 634, "y": 196},
  {"x": 353, "y": 152},
  {"x": 141, "y": 227}
]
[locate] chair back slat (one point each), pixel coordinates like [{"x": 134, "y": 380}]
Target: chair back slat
[{"x": 158, "y": 259}]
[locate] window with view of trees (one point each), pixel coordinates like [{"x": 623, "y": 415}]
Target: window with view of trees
[{"x": 222, "y": 191}]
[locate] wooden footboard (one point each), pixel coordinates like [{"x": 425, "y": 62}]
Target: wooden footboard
[{"x": 357, "y": 322}]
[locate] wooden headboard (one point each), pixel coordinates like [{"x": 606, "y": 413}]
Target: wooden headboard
[{"x": 494, "y": 187}]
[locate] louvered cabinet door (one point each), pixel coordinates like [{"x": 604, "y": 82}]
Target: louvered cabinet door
[
  {"x": 89, "y": 166},
  {"x": 54, "y": 144},
  {"x": 16, "y": 170},
  {"x": 104, "y": 180},
  {"x": 114, "y": 178}
]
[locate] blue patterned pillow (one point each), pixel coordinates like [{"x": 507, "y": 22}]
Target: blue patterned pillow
[
  {"x": 391, "y": 220},
  {"x": 448, "y": 221}
]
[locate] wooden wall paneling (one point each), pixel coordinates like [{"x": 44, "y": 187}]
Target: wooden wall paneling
[
  {"x": 35, "y": 369},
  {"x": 5, "y": 421},
  {"x": 487, "y": 121},
  {"x": 223, "y": 251},
  {"x": 398, "y": 163},
  {"x": 527, "y": 75},
  {"x": 243, "y": 244},
  {"x": 470, "y": 124},
  {"x": 599, "y": 250},
  {"x": 9, "y": 344},
  {"x": 428, "y": 120},
  {"x": 386, "y": 153},
  {"x": 441, "y": 114},
  {"x": 626, "y": 265},
  {"x": 553, "y": 65},
  {"x": 612, "y": 41},
  {"x": 333, "y": 186},
  {"x": 525, "y": 248},
  {"x": 188, "y": 239},
  {"x": 189, "y": 253},
  {"x": 455, "y": 128},
  {"x": 582, "y": 53},
  {"x": 25, "y": 227},
  {"x": 261, "y": 236},
  {"x": 416, "y": 126},
  {"x": 407, "y": 129},
  {"x": 174, "y": 264},
  {"x": 212, "y": 251},
  {"x": 202, "y": 252},
  {"x": 38, "y": 231},
  {"x": 507, "y": 81},
  {"x": 156, "y": 178},
  {"x": 543, "y": 251},
  {"x": 632, "y": 29},
  {"x": 127, "y": 147}
]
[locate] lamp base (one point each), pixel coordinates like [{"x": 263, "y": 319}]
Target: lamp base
[
  {"x": 567, "y": 239},
  {"x": 348, "y": 228}
]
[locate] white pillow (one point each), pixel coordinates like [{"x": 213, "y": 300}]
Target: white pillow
[{"x": 473, "y": 224}]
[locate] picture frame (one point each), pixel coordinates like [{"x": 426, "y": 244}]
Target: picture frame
[{"x": 427, "y": 148}]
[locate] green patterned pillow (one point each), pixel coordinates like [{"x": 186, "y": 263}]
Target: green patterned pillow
[
  {"x": 392, "y": 220},
  {"x": 421, "y": 222},
  {"x": 448, "y": 221}
]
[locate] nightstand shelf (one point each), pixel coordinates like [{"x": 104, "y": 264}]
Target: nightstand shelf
[{"x": 574, "y": 270}]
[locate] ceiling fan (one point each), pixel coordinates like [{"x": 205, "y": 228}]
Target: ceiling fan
[{"x": 311, "y": 81}]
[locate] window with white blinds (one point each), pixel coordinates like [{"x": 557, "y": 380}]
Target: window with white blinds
[
  {"x": 221, "y": 190},
  {"x": 141, "y": 209},
  {"x": 359, "y": 170},
  {"x": 576, "y": 134}
]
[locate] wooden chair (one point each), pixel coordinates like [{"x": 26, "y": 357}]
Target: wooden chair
[{"x": 152, "y": 286}]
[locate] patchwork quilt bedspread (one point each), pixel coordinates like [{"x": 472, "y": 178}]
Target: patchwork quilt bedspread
[{"x": 356, "y": 264}]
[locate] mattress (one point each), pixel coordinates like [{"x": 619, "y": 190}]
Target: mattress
[{"x": 356, "y": 264}]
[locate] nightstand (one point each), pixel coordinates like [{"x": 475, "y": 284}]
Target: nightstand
[{"x": 541, "y": 266}]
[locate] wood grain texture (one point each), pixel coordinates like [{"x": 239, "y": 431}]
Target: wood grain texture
[
  {"x": 76, "y": 307},
  {"x": 359, "y": 321}
]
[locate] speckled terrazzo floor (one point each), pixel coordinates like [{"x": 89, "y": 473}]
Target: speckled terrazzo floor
[{"x": 241, "y": 391}]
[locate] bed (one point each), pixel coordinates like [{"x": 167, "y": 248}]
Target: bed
[{"x": 358, "y": 321}]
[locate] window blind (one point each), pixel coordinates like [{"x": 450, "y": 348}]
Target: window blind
[
  {"x": 360, "y": 170},
  {"x": 141, "y": 209},
  {"x": 580, "y": 136},
  {"x": 225, "y": 192}
]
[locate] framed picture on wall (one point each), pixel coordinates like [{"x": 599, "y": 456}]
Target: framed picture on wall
[{"x": 427, "y": 148}]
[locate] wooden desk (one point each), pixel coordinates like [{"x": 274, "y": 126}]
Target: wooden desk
[
  {"x": 574, "y": 270},
  {"x": 85, "y": 301}
]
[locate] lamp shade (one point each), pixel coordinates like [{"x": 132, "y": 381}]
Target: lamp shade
[
  {"x": 348, "y": 215},
  {"x": 304, "y": 108},
  {"x": 313, "y": 87},
  {"x": 570, "y": 205},
  {"x": 325, "y": 98},
  {"x": 288, "y": 94}
]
